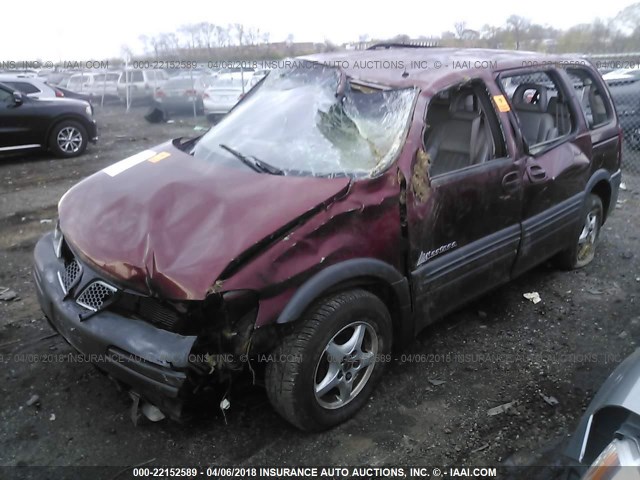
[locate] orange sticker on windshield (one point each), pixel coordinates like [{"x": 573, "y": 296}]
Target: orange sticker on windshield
[
  {"x": 501, "y": 103},
  {"x": 159, "y": 156}
]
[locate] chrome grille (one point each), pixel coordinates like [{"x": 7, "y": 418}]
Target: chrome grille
[
  {"x": 70, "y": 276},
  {"x": 95, "y": 295}
]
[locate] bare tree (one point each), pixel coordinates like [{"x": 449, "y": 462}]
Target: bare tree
[
  {"x": 252, "y": 35},
  {"x": 206, "y": 34},
  {"x": 460, "y": 27},
  {"x": 489, "y": 34},
  {"x": 517, "y": 25},
  {"x": 222, "y": 36},
  {"x": 126, "y": 52},
  {"x": 156, "y": 45},
  {"x": 144, "y": 40},
  {"x": 240, "y": 32},
  {"x": 191, "y": 33},
  {"x": 628, "y": 19}
]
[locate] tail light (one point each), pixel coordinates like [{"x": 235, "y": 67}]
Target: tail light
[
  {"x": 190, "y": 92},
  {"x": 206, "y": 95},
  {"x": 159, "y": 93},
  {"x": 59, "y": 94}
]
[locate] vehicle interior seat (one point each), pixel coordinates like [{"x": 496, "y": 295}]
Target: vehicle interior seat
[
  {"x": 559, "y": 110},
  {"x": 460, "y": 138},
  {"x": 598, "y": 110},
  {"x": 537, "y": 124}
]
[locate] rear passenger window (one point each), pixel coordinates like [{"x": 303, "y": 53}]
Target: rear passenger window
[
  {"x": 542, "y": 107},
  {"x": 23, "y": 87},
  {"x": 5, "y": 97},
  {"x": 462, "y": 129},
  {"x": 595, "y": 106}
]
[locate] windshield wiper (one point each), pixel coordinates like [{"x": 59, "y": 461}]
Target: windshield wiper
[{"x": 253, "y": 162}]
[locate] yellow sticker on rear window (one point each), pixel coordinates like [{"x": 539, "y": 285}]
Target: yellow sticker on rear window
[
  {"x": 159, "y": 156},
  {"x": 501, "y": 103}
]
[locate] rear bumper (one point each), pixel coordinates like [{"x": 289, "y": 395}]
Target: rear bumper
[
  {"x": 218, "y": 106},
  {"x": 151, "y": 361}
]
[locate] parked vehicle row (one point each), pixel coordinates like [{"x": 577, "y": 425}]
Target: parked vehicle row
[{"x": 415, "y": 192}]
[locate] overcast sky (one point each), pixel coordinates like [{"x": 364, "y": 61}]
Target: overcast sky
[{"x": 77, "y": 29}]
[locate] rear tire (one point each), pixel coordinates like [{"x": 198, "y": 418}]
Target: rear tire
[
  {"x": 325, "y": 370},
  {"x": 583, "y": 250},
  {"x": 68, "y": 139}
]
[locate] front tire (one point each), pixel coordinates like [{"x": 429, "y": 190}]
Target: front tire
[
  {"x": 324, "y": 371},
  {"x": 583, "y": 250},
  {"x": 68, "y": 139}
]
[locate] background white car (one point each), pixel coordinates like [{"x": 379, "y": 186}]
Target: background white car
[
  {"x": 225, "y": 91},
  {"x": 31, "y": 86},
  {"x": 95, "y": 84}
]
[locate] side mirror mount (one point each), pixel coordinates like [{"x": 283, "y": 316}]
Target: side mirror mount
[{"x": 17, "y": 98}]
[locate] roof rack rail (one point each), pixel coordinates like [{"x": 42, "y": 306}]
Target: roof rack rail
[{"x": 388, "y": 45}]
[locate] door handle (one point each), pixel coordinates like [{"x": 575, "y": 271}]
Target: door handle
[
  {"x": 511, "y": 181},
  {"x": 536, "y": 173}
]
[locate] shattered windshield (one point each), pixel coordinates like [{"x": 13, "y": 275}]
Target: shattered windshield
[{"x": 306, "y": 120}]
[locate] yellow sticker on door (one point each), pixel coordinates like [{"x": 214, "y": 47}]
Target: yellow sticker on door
[
  {"x": 501, "y": 103},
  {"x": 159, "y": 156}
]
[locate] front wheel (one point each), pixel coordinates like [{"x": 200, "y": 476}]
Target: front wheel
[
  {"x": 583, "y": 250},
  {"x": 68, "y": 139},
  {"x": 324, "y": 371}
]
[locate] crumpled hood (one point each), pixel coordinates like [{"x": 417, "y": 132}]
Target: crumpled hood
[{"x": 167, "y": 222}]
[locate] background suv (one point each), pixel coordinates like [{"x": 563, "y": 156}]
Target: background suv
[
  {"x": 62, "y": 125},
  {"x": 141, "y": 84}
]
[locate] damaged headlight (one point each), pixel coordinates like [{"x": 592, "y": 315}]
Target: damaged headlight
[
  {"x": 620, "y": 459},
  {"x": 57, "y": 240}
]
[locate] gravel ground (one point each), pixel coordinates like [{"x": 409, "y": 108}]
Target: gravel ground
[{"x": 431, "y": 408}]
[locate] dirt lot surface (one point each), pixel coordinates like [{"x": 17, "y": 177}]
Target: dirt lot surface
[{"x": 430, "y": 409}]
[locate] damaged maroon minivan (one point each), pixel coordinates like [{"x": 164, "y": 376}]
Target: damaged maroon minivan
[{"x": 347, "y": 202}]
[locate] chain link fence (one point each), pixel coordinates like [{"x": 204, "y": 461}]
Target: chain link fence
[{"x": 622, "y": 74}]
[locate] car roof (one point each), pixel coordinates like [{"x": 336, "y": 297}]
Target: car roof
[
  {"x": 402, "y": 67},
  {"x": 83, "y": 74},
  {"x": 17, "y": 78}
]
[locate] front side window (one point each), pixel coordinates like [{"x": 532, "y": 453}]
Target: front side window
[
  {"x": 5, "y": 96},
  {"x": 541, "y": 106},
  {"x": 24, "y": 87},
  {"x": 462, "y": 129},
  {"x": 312, "y": 120}
]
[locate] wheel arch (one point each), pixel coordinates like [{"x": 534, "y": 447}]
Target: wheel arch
[
  {"x": 375, "y": 276},
  {"x": 62, "y": 118},
  {"x": 600, "y": 185}
]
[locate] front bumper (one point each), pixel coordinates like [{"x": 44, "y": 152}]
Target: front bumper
[
  {"x": 93, "y": 131},
  {"x": 151, "y": 361}
]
